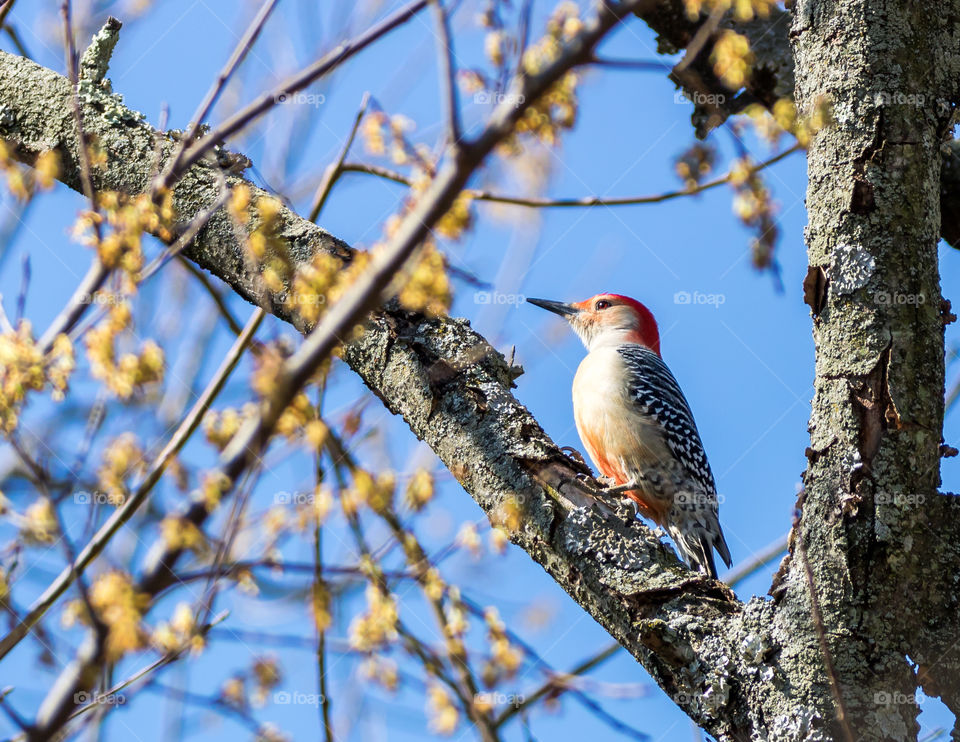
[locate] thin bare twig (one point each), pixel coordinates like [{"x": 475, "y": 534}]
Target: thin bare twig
[
  {"x": 203, "y": 110},
  {"x": 364, "y": 293},
  {"x": 649, "y": 65},
  {"x": 549, "y": 203},
  {"x": 98, "y": 272},
  {"x": 265, "y": 102},
  {"x": 555, "y": 684},
  {"x": 122, "y": 514},
  {"x": 706, "y": 30},
  {"x": 215, "y": 295},
  {"x": 335, "y": 168},
  {"x": 759, "y": 561},
  {"x": 448, "y": 73}
]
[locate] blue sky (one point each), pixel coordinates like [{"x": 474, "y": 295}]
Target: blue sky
[{"x": 744, "y": 360}]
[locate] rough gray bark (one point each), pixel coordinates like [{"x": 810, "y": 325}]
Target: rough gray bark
[
  {"x": 881, "y": 541},
  {"x": 883, "y": 567}
]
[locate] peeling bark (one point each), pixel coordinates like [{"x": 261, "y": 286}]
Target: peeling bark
[{"x": 871, "y": 507}]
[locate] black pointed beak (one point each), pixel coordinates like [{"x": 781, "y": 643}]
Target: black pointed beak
[{"x": 557, "y": 307}]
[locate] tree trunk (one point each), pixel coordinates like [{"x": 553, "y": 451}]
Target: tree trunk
[{"x": 879, "y": 540}]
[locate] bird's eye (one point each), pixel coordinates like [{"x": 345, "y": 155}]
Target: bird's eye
[{"x": 603, "y": 304}]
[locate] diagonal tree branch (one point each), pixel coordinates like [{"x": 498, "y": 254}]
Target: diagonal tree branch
[
  {"x": 732, "y": 666},
  {"x": 452, "y": 388}
]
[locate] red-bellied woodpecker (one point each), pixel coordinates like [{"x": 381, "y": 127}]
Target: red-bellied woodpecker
[{"x": 637, "y": 426}]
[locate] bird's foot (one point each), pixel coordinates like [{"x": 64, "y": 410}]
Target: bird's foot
[
  {"x": 587, "y": 482},
  {"x": 622, "y": 488},
  {"x": 574, "y": 454}
]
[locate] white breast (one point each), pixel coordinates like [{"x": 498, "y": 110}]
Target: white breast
[{"x": 607, "y": 418}]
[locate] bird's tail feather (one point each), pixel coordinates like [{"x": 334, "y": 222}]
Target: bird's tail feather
[{"x": 696, "y": 545}]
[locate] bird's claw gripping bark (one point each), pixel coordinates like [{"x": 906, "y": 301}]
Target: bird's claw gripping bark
[
  {"x": 574, "y": 454},
  {"x": 621, "y": 489}
]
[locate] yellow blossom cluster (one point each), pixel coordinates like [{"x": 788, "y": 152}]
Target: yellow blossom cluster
[
  {"x": 266, "y": 677},
  {"x": 784, "y": 118},
  {"x": 743, "y": 10},
  {"x": 47, "y": 168},
  {"x": 269, "y": 733},
  {"x": 505, "y": 659},
  {"x": 494, "y": 46},
  {"x": 452, "y": 225},
  {"x": 39, "y": 524},
  {"x": 21, "y": 182},
  {"x": 695, "y": 164},
  {"x": 246, "y": 583},
  {"x": 732, "y": 59},
  {"x": 468, "y": 539},
  {"x": 259, "y": 221},
  {"x": 373, "y": 132},
  {"x": 499, "y": 538},
  {"x": 120, "y": 608},
  {"x": 564, "y": 23},
  {"x": 419, "y": 490},
  {"x": 426, "y": 286},
  {"x": 321, "y": 606},
  {"x": 122, "y": 458},
  {"x": 178, "y": 632},
  {"x": 472, "y": 81},
  {"x": 220, "y": 427},
  {"x": 378, "y": 130},
  {"x": 457, "y": 624},
  {"x": 233, "y": 692},
  {"x": 382, "y": 671},
  {"x": 378, "y": 625},
  {"x": 507, "y": 515},
  {"x": 555, "y": 110},
  {"x": 212, "y": 486},
  {"x": 754, "y": 206},
  {"x": 300, "y": 418},
  {"x": 318, "y": 284},
  {"x": 122, "y": 221},
  {"x": 544, "y": 119},
  {"x": 178, "y": 533},
  {"x": 443, "y": 715},
  {"x": 24, "y": 368},
  {"x": 131, "y": 372},
  {"x": 375, "y": 493},
  {"x": 313, "y": 510},
  {"x": 312, "y": 286}
]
